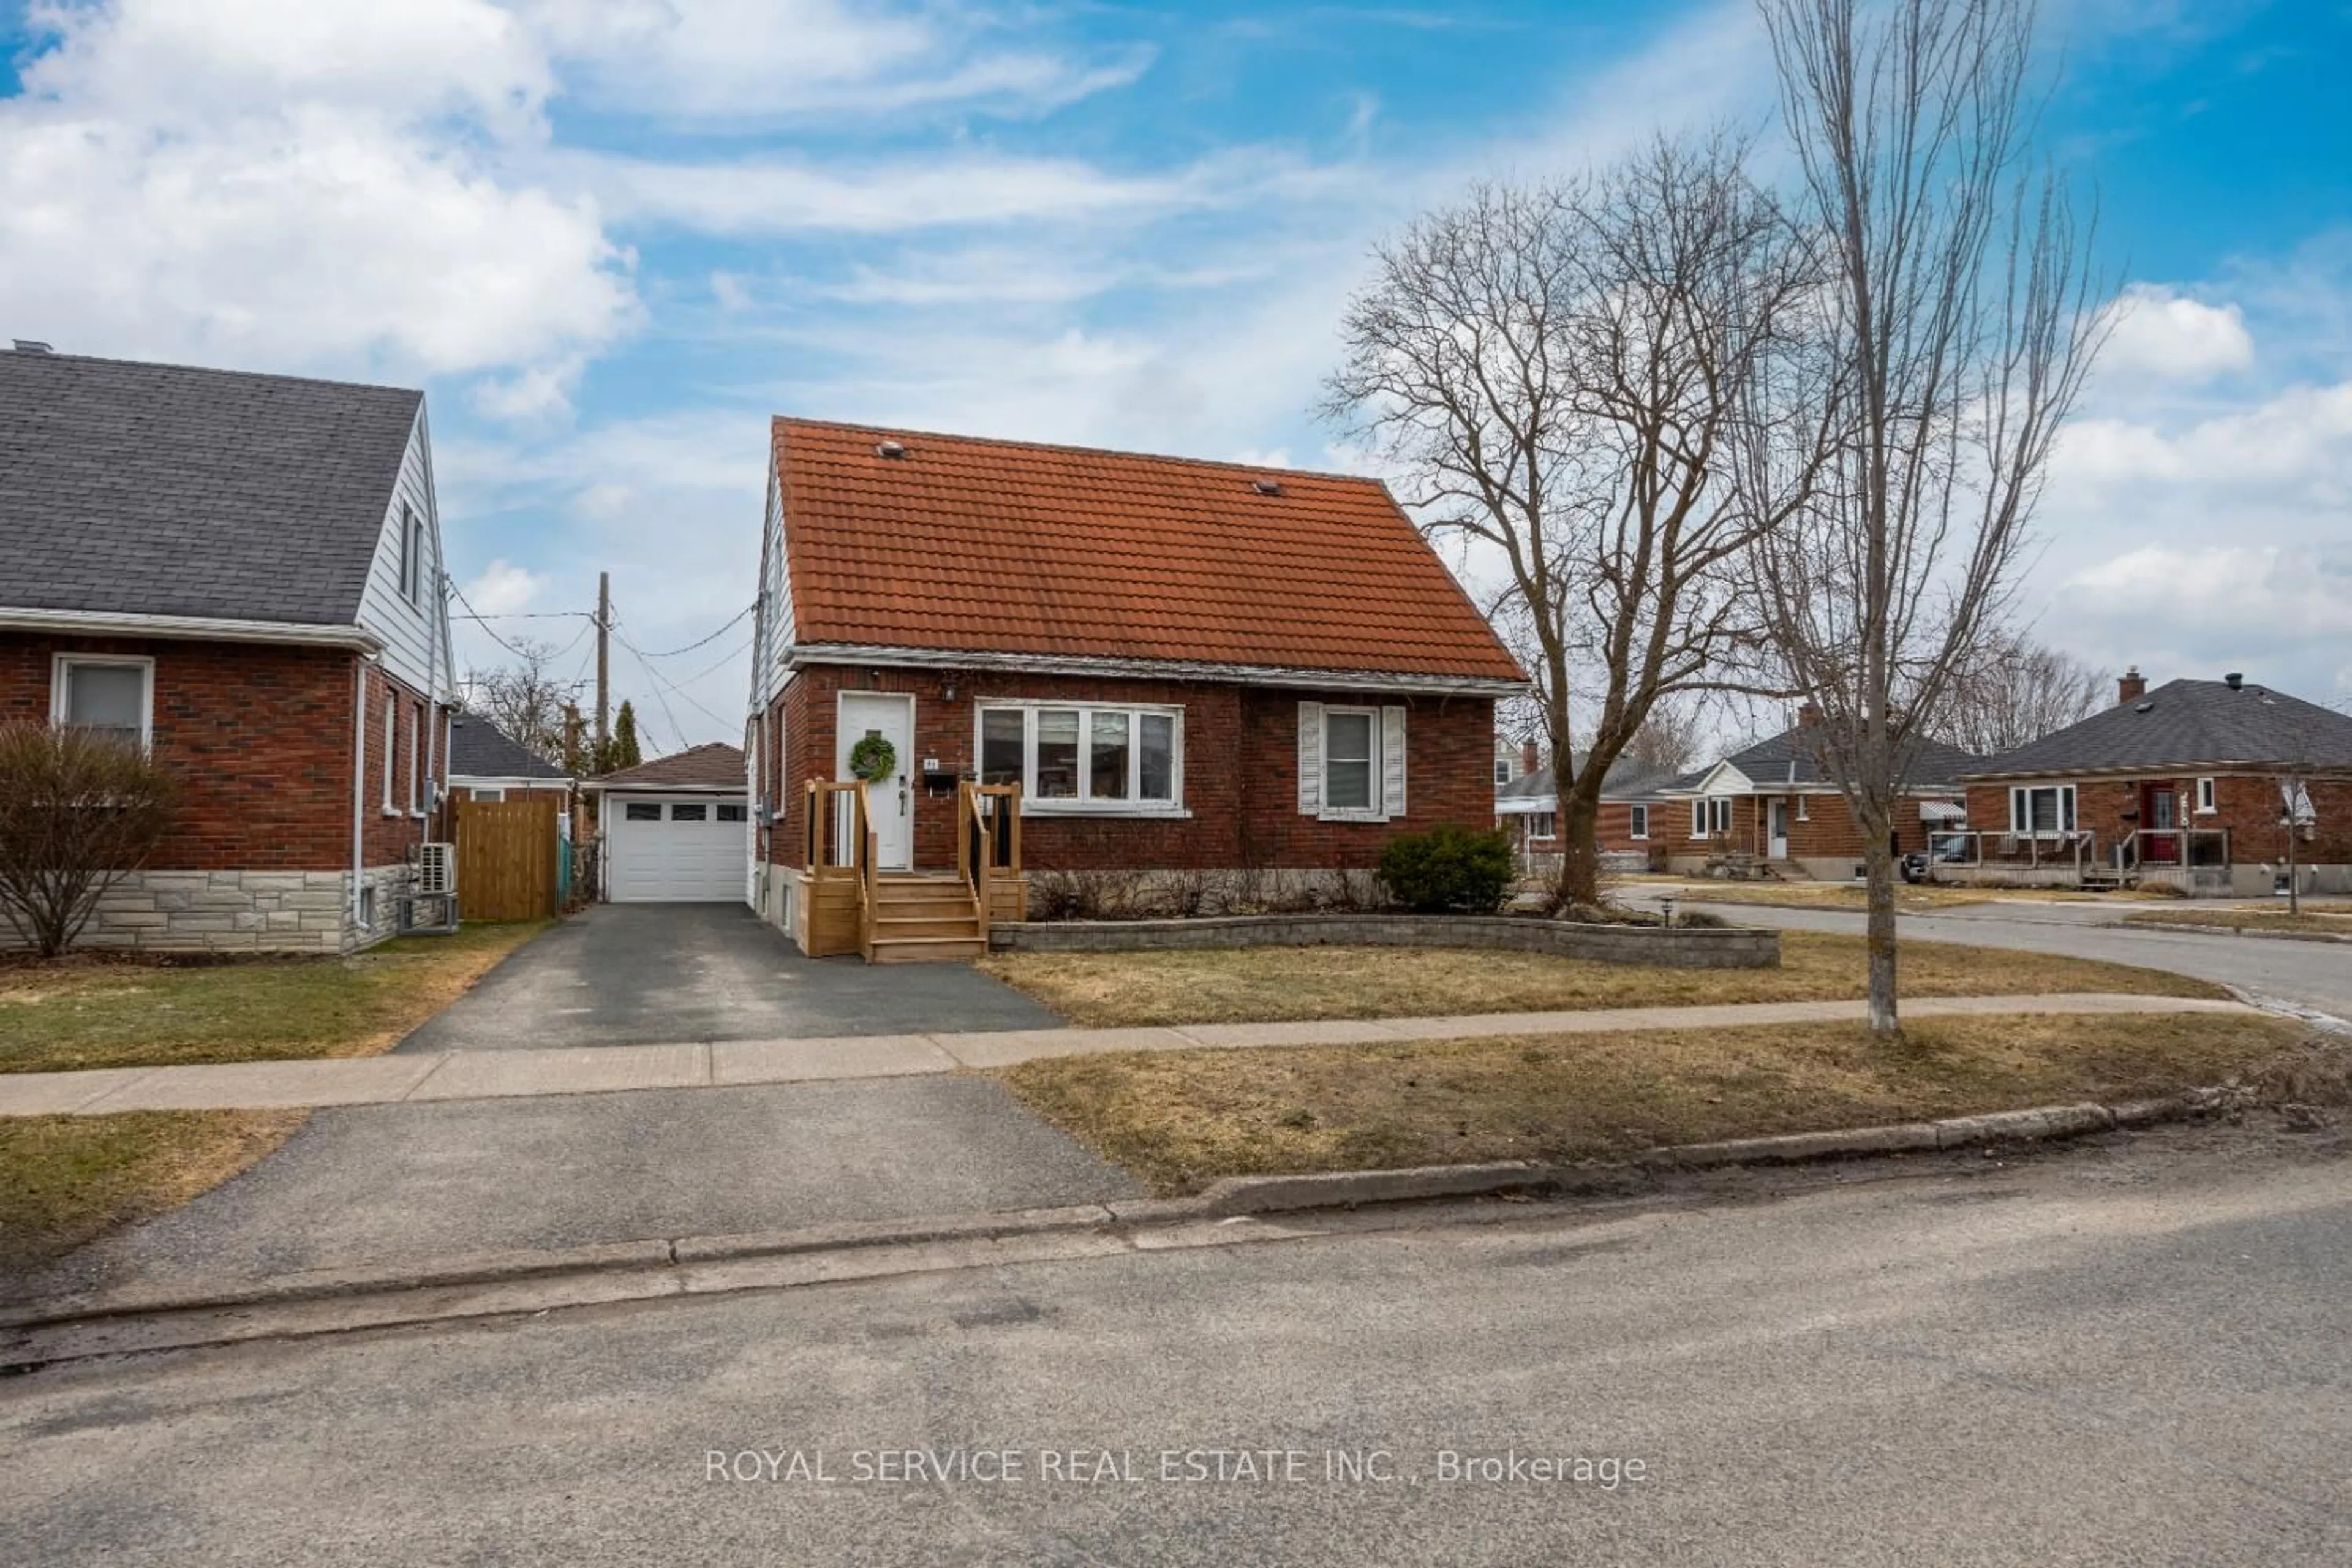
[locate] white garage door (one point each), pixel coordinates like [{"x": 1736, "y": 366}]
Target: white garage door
[{"x": 677, "y": 849}]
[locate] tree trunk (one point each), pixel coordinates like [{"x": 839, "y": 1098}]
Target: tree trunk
[
  {"x": 1579, "y": 846},
  {"x": 1878, "y": 863}
]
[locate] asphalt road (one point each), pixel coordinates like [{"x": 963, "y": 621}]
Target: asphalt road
[
  {"x": 2135, "y": 1352},
  {"x": 2317, "y": 974},
  {"x": 621, "y": 974}
]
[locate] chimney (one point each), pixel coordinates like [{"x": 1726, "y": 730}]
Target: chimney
[
  {"x": 2131, "y": 687},
  {"x": 1808, "y": 715},
  {"x": 1530, "y": 756}
]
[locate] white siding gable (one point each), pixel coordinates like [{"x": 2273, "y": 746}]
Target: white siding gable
[
  {"x": 772, "y": 635},
  {"x": 415, "y": 632}
]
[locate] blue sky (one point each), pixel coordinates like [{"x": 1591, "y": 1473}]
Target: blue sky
[{"x": 611, "y": 238}]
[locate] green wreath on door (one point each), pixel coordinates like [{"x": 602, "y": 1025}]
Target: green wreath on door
[{"x": 873, "y": 759}]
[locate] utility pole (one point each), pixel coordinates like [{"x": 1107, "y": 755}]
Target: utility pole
[{"x": 603, "y": 660}]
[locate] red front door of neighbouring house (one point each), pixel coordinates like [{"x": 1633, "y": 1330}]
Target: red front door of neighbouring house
[{"x": 2159, "y": 815}]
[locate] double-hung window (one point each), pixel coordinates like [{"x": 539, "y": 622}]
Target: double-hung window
[
  {"x": 1083, "y": 757},
  {"x": 1351, "y": 759},
  {"x": 1543, "y": 825},
  {"x": 1712, "y": 814},
  {"x": 1351, "y": 762},
  {"x": 415, "y": 760},
  {"x": 1640, "y": 821},
  {"x": 2208, "y": 796},
  {"x": 2042, "y": 811},
  {"x": 113, "y": 698},
  {"x": 391, "y": 750},
  {"x": 413, "y": 575}
]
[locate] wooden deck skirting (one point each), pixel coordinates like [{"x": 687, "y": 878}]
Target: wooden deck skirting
[{"x": 1691, "y": 947}]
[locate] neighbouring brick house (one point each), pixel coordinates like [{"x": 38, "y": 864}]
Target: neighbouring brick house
[
  {"x": 2190, "y": 785},
  {"x": 1771, "y": 804},
  {"x": 1629, "y": 830},
  {"x": 243, "y": 573},
  {"x": 1187, "y": 666}
]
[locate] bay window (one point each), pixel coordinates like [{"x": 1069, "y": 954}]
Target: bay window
[
  {"x": 2042, "y": 811},
  {"x": 1083, "y": 757}
]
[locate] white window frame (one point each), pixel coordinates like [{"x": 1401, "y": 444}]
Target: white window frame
[
  {"x": 1805, "y": 808},
  {"x": 391, "y": 745},
  {"x": 2208, "y": 797},
  {"x": 415, "y": 758},
  {"x": 1502, "y": 770},
  {"x": 2020, "y": 811},
  {"x": 1543, "y": 825},
  {"x": 61, "y": 670},
  {"x": 1085, "y": 803},
  {"x": 1375, "y": 811},
  {"x": 486, "y": 795},
  {"x": 1638, "y": 819},
  {"x": 412, "y": 555},
  {"x": 1699, "y": 816},
  {"x": 1718, "y": 815}
]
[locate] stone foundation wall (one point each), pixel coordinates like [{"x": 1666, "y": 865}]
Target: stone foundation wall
[
  {"x": 1681, "y": 948},
  {"x": 236, "y": 911}
]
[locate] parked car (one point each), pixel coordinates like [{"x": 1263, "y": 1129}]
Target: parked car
[{"x": 1943, "y": 849}]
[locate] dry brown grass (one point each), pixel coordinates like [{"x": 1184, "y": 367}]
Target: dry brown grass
[
  {"x": 96, "y": 1011},
  {"x": 1280, "y": 983},
  {"x": 1909, "y": 899},
  {"x": 1180, "y": 1120},
  {"x": 2324, "y": 923},
  {"x": 66, "y": 1180}
]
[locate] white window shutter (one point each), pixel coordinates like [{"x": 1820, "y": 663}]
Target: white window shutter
[
  {"x": 1310, "y": 759},
  {"x": 1392, "y": 762}
]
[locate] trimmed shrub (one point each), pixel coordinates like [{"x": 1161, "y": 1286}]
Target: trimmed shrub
[{"x": 1449, "y": 869}]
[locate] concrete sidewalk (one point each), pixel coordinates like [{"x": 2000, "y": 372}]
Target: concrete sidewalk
[{"x": 428, "y": 1077}]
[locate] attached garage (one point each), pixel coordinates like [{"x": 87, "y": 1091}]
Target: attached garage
[{"x": 675, "y": 830}]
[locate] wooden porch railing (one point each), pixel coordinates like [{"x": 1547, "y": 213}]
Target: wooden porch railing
[
  {"x": 988, "y": 839},
  {"x": 842, "y": 867}
]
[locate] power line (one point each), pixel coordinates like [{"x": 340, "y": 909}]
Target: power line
[
  {"x": 485, "y": 630},
  {"x": 522, "y": 614},
  {"x": 740, "y": 649},
  {"x": 675, "y": 728},
  {"x": 661, "y": 680},
  {"x": 698, "y": 643}
]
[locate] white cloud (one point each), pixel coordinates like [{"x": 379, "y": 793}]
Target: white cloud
[
  {"x": 755, "y": 59},
  {"x": 2154, "y": 331},
  {"x": 2295, "y": 443},
  {"x": 502, "y": 589},
  {"x": 276, "y": 187}
]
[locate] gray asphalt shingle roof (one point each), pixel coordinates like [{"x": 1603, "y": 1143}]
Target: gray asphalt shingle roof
[
  {"x": 2189, "y": 724},
  {"x": 165, "y": 489},
  {"x": 1625, "y": 780},
  {"x": 480, "y": 750},
  {"x": 1789, "y": 757}
]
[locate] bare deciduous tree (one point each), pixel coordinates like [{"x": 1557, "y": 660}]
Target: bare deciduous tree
[
  {"x": 2014, "y": 691},
  {"x": 1571, "y": 375},
  {"x": 525, "y": 701},
  {"x": 1957, "y": 332},
  {"x": 79, "y": 811},
  {"x": 1670, "y": 738}
]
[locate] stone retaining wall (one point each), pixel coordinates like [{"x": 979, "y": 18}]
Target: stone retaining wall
[{"x": 1693, "y": 947}]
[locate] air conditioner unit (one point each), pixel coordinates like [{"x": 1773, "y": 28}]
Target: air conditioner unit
[{"x": 437, "y": 869}]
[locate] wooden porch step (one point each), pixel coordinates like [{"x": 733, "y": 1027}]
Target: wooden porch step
[
  {"x": 929, "y": 949},
  {"x": 896, "y": 927}
]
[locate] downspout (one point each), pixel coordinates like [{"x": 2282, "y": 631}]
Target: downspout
[
  {"x": 431, "y": 739},
  {"x": 359, "y": 792}
]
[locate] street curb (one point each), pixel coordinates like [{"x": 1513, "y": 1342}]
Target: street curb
[
  {"x": 1235, "y": 1197},
  {"x": 2319, "y": 936}
]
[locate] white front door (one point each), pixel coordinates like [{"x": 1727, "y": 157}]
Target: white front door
[
  {"x": 1779, "y": 824},
  {"x": 889, "y": 800}
]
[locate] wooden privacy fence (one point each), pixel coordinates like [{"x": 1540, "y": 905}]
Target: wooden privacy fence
[{"x": 507, "y": 853}]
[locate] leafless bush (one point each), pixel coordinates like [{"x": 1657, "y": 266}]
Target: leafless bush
[
  {"x": 78, "y": 811},
  {"x": 1088, "y": 895}
]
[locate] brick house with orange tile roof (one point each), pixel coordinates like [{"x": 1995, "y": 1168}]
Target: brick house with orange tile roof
[{"x": 1185, "y": 665}]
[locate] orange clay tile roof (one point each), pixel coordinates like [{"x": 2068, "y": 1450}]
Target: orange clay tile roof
[{"x": 1008, "y": 547}]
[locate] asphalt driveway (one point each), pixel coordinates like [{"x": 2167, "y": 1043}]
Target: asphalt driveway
[{"x": 630, "y": 974}]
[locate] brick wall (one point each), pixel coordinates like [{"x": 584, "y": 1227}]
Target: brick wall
[
  {"x": 1240, "y": 784},
  {"x": 389, "y": 835},
  {"x": 261, "y": 737},
  {"x": 2248, "y": 805}
]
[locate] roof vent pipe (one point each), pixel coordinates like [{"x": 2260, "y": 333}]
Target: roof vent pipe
[
  {"x": 2235, "y": 681},
  {"x": 890, "y": 449},
  {"x": 1267, "y": 487}
]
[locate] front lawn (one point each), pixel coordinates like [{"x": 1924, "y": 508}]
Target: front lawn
[
  {"x": 1280, "y": 983},
  {"x": 66, "y": 1180},
  {"x": 2321, "y": 921},
  {"x": 1181, "y": 1120},
  {"x": 1909, "y": 899},
  {"x": 96, "y": 1010}
]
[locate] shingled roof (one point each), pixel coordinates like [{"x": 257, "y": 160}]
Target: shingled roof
[
  {"x": 2188, "y": 724},
  {"x": 1791, "y": 757},
  {"x": 480, "y": 750},
  {"x": 1625, "y": 780},
  {"x": 161, "y": 490},
  {"x": 716, "y": 765},
  {"x": 960, "y": 544}
]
